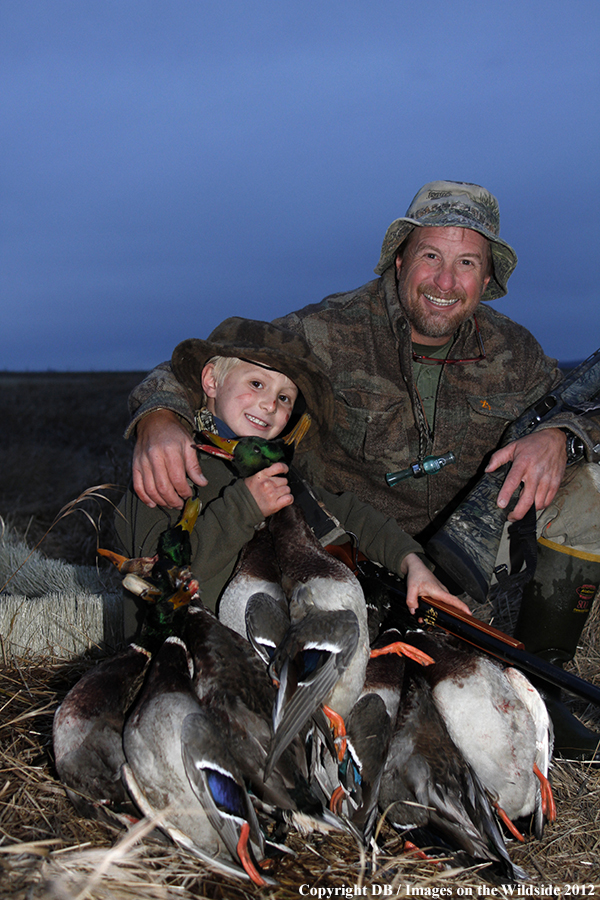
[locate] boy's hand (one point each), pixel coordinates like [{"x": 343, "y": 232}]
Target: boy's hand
[
  {"x": 420, "y": 582},
  {"x": 269, "y": 489}
]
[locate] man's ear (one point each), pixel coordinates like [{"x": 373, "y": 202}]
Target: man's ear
[
  {"x": 398, "y": 263},
  {"x": 209, "y": 382}
]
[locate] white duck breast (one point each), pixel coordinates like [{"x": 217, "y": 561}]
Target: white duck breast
[
  {"x": 257, "y": 571},
  {"x": 488, "y": 721}
]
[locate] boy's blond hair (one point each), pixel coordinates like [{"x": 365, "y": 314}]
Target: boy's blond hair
[{"x": 223, "y": 366}]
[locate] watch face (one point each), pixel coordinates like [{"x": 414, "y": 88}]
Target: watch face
[{"x": 574, "y": 447}]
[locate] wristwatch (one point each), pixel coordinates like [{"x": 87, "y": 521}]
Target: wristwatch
[{"x": 575, "y": 447}]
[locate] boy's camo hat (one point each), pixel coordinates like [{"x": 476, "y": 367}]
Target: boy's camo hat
[
  {"x": 271, "y": 346},
  {"x": 460, "y": 204}
]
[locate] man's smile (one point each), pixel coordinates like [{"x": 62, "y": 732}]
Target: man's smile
[{"x": 438, "y": 301}]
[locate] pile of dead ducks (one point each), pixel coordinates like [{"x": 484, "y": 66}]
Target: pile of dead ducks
[{"x": 291, "y": 710}]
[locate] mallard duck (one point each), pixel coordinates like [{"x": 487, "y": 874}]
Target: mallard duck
[
  {"x": 493, "y": 726},
  {"x": 174, "y": 549},
  {"x": 429, "y": 792},
  {"x": 164, "y": 581},
  {"x": 88, "y": 735},
  {"x": 232, "y": 681},
  {"x": 247, "y": 455},
  {"x": 180, "y": 772},
  {"x": 323, "y": 658},
  {"x": 257, "y": 571}
]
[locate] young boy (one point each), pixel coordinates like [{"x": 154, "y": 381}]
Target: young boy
[{"x": 252, "y": 378}]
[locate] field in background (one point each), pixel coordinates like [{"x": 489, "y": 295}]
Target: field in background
[{"x": 63, "y": 433}]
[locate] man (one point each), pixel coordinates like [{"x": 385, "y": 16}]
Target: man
[{"x": 420, "y": 365}]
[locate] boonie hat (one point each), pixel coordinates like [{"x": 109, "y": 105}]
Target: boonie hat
[
  {"x": 271, "y": 346},
  {"x": 458, "y": 204}
]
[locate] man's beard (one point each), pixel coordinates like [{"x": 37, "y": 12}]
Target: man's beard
[{"x": 425, "y": 321}]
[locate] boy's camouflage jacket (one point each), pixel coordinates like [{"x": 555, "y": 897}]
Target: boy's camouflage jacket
[{"x": 362, "y": 339}]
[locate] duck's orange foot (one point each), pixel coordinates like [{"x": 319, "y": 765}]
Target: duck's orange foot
[
  {"x": 403, "y": 649},
  {"x": 411, "y": 849},
  {"x": 510, "y": 825},
  {"x": 245, "y": 858},
  {"x": 336, "y": 800},
  {"x": 140, "y": 565},
  {"x": 548, "y": 804},
  {"x": 339, "y": 731}
]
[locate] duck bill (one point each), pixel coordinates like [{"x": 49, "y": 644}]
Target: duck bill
[
  {"x": 191, "y": 511},
  {"x": 215, "y": 451}
]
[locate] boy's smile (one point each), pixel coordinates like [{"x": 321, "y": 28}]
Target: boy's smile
[{"x": 251, "y": 400}]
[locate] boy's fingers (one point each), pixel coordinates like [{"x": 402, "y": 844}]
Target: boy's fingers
[{"x": 277, "y": 468}]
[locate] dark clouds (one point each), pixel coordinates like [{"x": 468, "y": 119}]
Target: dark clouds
[{"x": 166, "y": 164}]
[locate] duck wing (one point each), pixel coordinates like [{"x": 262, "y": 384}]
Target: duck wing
[
  {"x": 216, "y": 781},
  {"x": 267, "y": 623},
  {"x": 88, "y": 734},
  {"x": 309, "y": 663},
  {"x": 369, "y": 731}
]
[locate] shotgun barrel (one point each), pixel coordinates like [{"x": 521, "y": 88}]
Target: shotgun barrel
[{"x": 482, "y": 636}]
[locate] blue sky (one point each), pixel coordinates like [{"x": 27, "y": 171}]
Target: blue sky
[{"x": 167, "y": 163}]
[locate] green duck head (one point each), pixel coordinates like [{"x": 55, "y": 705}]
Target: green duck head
[{"x": 251, "y": 454}]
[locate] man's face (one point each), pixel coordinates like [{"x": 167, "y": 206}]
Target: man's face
[
  {"x": 442, "y": 275},
  {"x": 251, "y": 400}
]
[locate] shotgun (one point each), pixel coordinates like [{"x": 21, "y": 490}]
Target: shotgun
[
  {"x": 482, "y": 636},
  {"x": 466, "y": 546}
]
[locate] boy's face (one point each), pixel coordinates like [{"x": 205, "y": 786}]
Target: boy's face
[{"x": 251, "y": 400}]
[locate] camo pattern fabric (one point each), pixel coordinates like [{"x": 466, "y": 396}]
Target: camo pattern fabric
[{"x": 362, "y": 339}]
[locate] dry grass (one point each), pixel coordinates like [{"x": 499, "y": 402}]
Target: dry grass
[{"x": 46, "y": 850}]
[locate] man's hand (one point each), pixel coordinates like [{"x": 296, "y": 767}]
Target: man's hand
[
  {"x": 539, "y": 461},
  {"x": 269, "y": 489},
  {"x": 421, "y": 582},
  {"x": 162, "y": 458}
]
